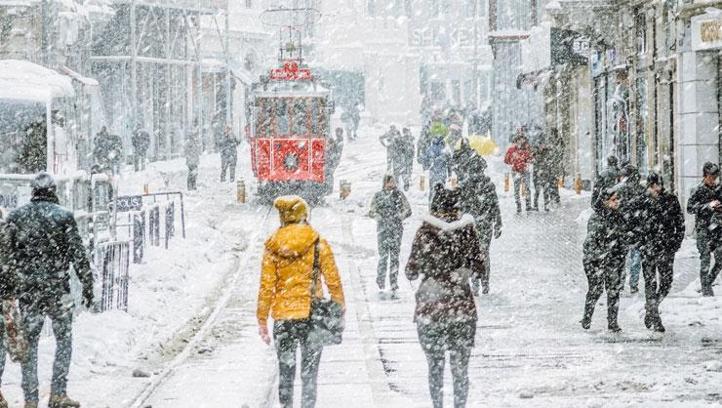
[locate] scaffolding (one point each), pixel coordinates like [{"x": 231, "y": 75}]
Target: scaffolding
[{"x": 148, "y": 58}]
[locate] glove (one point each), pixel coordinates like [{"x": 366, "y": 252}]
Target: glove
[
  {"x": 263, "y": 332},
  {"x": 88, "y": 296},
  {"x": 497, "y": 233}
]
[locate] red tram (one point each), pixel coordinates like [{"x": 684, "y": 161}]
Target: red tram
[{"x": 290, "y": 124}]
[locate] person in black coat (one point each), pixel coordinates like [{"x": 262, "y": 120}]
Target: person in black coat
[
  {"x": 229, "y": 154},
  {"x": 479, "y": 199},
  {"x": 704, "y": 201},
  {"x": 8, "y": 289},
  {"x": 663, "y": 234},
  {"x": 389, "y": 208},
  {"x": 606, "y": 179},
  {"x": 43, "y": 242},
  {"x": 141, "y": 143},
  {"x": 604, "y": 252}
]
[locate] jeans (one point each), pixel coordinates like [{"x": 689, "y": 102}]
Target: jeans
[
  {"x": 485, "y": 236},
  {"x": 389, "y": 246},
  {"x": 707, "y": 276},
  {"x": 635, "y": 266},
  {"x": 288, "y": 335},
  {"x": 658, "y": 276},
  {"x": 604, "y": 274},
  {"x": 192, "y": 177},
  {"x": 457, "y": 338},
  {"x": 519, "y": 179},
  {"x": 230, "y": 166},
  {"x": 62, "y": 323}
]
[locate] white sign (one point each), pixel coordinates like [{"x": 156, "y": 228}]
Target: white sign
[{"x": 706, "y": 32}]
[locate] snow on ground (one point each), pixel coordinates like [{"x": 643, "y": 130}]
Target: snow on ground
[{"x": 531, "y": 350}]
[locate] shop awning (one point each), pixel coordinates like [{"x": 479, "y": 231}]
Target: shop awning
[{"x": 534, "y": 79}]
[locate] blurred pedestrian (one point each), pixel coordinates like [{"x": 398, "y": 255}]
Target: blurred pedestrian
[
  {"x": 703, "y": 203},
  {"x": 543, "y": 177},
  {"x": 445, "y": 256},
  {"x": 663, "y": 234},
  {"x": 556, "y": 164},
  {"x": 192, "y": 152},
  {"x": 334, "y": 151},
  {"x": 479, "y": 199},
  {"x": 440, "y": 164},
  {"x": 406, "y": 158},
  {"x": 389, "y": 208},
  {"x": 290, "y": 257},
  {"x": 632, "y": 195},
  {"x": 8, "y": 288},
  {"x": 604, "y": 251},
  {"x": 44, "y": 242},
  {"x": 390, "y": 140},
  {"x": 519, "y": 157},
  {"x": 108, "y": 151},
  {"x": 229, "y": 154},
  {"x": 141, "y": 143}
]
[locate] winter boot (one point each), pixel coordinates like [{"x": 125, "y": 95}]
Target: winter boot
[
  {"x": 614, "y": 327},
  {"x": 707, "y": 292},
  {"x": 62, "y": 401},
  {"x": 648, "y": 321},
  {"x": 658, "y": 326},
  {"x": 634, "y": 289},
  {"x": 586, "y": 322},
  {"x": 518, "y": 208},
  {"x": 3, "y": 402}
]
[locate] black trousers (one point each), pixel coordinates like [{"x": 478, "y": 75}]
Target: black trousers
[
  {"x": 658, "y": 275},
  {"x": 389, "y": 247},
  {"x": 541, "y": 185},
  {"x": 228, "y": 164},
  {"x": 139, "y": 161},
  {"x": 604, "y": 274},
  {"x": 288, "y": 335},
  {"x": 436, "y": 338}
]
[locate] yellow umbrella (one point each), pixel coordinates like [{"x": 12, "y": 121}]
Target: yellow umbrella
[{"x": 484, "y": 145}]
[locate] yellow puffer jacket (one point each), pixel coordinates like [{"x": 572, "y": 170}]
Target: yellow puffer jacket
[{"x": 285, "y": 287}]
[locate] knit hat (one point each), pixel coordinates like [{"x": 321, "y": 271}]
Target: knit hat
[
  {"x": 654, "y": 179},
  {"x": 710, "y": 169},
  {"x": 43, "y": 183},
  {"x": 292, "y": 209}
]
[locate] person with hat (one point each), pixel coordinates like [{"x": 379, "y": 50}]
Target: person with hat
[
  {"x": 289, "y": 258},
  {"x": 43, "y": 242},
  {"x": 389, "y": 208},
  {"x": 608, "y": 178},
  {"x": 663, "y": 225},
  {"x": 603, "y": 257},
  {"x": 445, "y": 256},
  {"x": 631, "y": 197},
  {"x": 519, "y": 157},
  {"x": 703, "y": 203},
  {"x": 479, "y": 199}
]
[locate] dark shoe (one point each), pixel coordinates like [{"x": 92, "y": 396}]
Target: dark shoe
[
  {"x": 614, "y": 328},
  {"x": 3, "y": 402},
  {"x": 707, "y": 292},
  {"x": 634, "y": 289},
  {"x": 648, "y": 321},
  {"x": 62, "y": 401},
  {"x": 485, "y": 289},
  {"x": 533, "y": 209},
  {"x": 586, "y": 323},
  {"x": 381, "y": 282},
  {"x": 395, "y": 294},
  {"x": 658, "y": 326},
  {"x": 31, "y": 404},
  {"x": 518, "y": 208}
]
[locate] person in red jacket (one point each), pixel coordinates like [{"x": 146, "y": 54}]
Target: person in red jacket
[{"x": 519, "y": 157}]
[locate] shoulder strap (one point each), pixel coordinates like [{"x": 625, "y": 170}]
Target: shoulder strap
[{"x": 316, "y": 267}]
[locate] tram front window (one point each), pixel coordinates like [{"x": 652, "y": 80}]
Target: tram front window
[
  {"x": 23, "y": 137},
  {"x": 300, "y": 120}
]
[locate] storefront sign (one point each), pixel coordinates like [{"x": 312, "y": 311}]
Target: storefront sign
[
  {"x": 569, "y": 47},
  {"x": 706, "y": 32},
  {"x": 445, "y": 37}
]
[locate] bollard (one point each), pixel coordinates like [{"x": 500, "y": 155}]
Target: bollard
[
  {"x": 241, "y": 191},
  {"x": 146, "y": 189},
  {"x": 454, "y": 182},
  {"x": 506, "y": 183},
  {"x": 344, "y": 189},
  {"x": 560, "y": 182},
  {"x": 578, "y": 184},
  {"x": 422, "y": 183}
]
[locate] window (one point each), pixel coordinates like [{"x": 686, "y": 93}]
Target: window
[
  {"x": 640, "y": 24},
  {"x": 23, "y": 136},
  {"x": 281, "y": 114},
  {"x": 300, "y": 120}
]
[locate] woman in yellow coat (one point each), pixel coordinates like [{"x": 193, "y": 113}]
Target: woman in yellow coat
[{"x": 285, "y": 293}]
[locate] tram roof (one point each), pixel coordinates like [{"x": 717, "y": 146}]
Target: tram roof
[{"x": 24, "y": 80}]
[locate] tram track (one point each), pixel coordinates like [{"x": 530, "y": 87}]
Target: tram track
[{"x": 206, "y": 326}]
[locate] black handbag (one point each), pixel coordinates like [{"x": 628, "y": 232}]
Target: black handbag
[{"x": 327, "y": 316}]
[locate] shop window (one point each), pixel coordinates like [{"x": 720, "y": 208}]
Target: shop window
[{"x": 640, "y": 25}]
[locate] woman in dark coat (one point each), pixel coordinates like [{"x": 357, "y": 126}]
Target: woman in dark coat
[{"x": 445, "y": 255}]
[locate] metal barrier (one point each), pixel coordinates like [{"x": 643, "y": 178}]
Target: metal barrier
[
  {"x": 112, "y": 262},
  {"x": 167, "y": 195}
]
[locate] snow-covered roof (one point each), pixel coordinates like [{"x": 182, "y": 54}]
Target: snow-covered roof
[
  {"x": 24, "y": 80},
  {"x": 276, "y": 89}
]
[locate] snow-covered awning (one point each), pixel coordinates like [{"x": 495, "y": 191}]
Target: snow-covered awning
[
  {"x": 77, "y": 77},
  {"x": 24, "y": 80}
]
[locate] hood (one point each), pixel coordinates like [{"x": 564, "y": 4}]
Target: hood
[
  {"x": 447, "y": 227},
  {"x": 292, "y": 241}
]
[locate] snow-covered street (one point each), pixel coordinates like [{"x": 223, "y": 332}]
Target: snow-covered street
[{"x": 531, "y": 350}]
